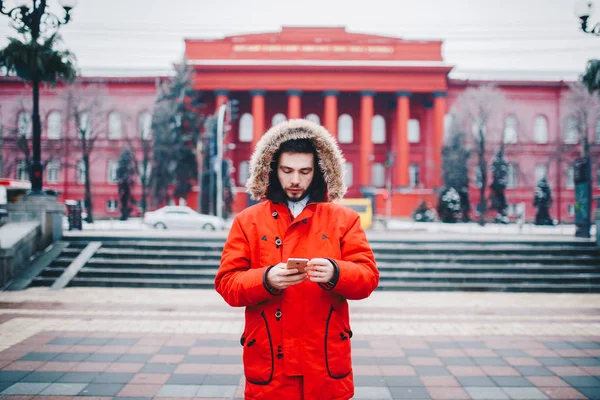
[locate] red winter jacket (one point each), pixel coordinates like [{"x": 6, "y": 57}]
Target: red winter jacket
[{"x": 303, "y": 330}]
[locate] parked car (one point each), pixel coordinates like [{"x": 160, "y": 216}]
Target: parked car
[{"x": 182, "y": 217}]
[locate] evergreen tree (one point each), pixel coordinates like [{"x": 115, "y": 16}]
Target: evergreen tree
[
  {"x": 126, "y": 180},
  {"x": 177, "y": 121},
  {"x": 455, "y": 171},
  {"x": 449, "y": 206},
  {"x": 498, "y": 186},
  {"x": 542, "y": 200}
]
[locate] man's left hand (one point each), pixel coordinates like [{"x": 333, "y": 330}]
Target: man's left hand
[{"x": 320, "y": 270}]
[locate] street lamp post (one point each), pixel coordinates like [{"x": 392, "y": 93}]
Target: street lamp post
[
  {"x": 584, "y": 9},
  {"x": 34, "y": 19}
]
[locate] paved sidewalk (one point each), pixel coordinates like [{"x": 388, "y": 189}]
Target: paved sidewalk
[{"x": 155, "y": 343}]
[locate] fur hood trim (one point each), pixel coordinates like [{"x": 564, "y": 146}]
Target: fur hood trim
[{"x": 330, "y": 156}]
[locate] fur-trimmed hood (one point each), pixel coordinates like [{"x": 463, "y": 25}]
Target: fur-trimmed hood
[{"x": 331, "y": 160}]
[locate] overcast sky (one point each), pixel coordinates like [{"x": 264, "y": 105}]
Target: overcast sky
[{"x": 499, "y": 38}]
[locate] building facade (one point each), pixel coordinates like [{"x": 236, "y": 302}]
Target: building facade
[{"x": 387, "y": 101}]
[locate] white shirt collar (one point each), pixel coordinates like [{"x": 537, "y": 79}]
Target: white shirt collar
[{"x": 296, "y": 207}]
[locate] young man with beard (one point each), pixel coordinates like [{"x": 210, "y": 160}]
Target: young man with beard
[{"x": 297, "y": 331}]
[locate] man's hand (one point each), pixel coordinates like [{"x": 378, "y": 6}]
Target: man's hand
[
  {"x": 279, "y": 277},
  {"x": 320, "y": 270}
]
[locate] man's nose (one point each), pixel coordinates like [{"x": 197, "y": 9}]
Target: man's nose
[{"x": 295, "y": 178}]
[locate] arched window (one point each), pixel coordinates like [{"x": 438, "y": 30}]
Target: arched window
[
  {"x": 85, "y": 125},
  {"x": 540, "y": 129},
  {"x": 246, "y": 128},
  {"x": 448, "y": 125},
  {"x": 54, "y": 125},
  {"x": 243, "y": 172},
  {"x": 348, "y": 174},
  {"x": 378, "y": 129},
  {"x": 378, "y": 175},
  {"x": 278, "y": 118},
  {"x": 571, "y": 136},
  {"x": 24, "y": 124},
  {"x": 145, "y": 125},
  {"x": 345, "y": 129},
  {"x": 313, "y": 118},
  {"x": 477, "y": 124},
  {"x": 510, "y": 129},
  {"x": 114, "y": 125},
  {"x": 414, "y": 131}
]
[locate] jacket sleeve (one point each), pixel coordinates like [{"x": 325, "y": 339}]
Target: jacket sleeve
[
  {"x": 358, "y": 274},
  {"x": 239, "y": 284}
]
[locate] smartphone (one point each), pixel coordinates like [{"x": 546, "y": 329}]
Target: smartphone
[{"x": 297, "y": 263}]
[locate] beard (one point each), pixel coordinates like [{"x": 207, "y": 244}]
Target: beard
[{"x": 297, "y": 196}]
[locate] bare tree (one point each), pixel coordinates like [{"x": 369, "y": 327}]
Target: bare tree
[
  {"x": 86, "y": 109},
  {"x": 481, "y": 110},
  {"x": 142, "y": 164},
  {"x": 18, "y": 137}
]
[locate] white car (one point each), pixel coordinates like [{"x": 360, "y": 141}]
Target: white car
[{"x": 182, "y": 217}]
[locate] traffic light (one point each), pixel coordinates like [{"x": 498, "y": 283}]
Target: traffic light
[{"x": 234, "y": 110}]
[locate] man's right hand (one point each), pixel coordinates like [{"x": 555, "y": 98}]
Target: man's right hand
[{"x": 279, "y": 277}]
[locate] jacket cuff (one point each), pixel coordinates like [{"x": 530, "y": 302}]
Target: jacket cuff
[
  {"x": 334, "y": 280},
  {"x": 269, "y": 288}
]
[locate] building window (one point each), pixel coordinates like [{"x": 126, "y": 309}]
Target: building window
[
  {"x": 24, "y": 124},
  {"x": 448, "y": 125},
  {"x": 111, "y": 176},
  {"x": 540, "y": 129},
  {"x": 114, "y": 125},
  {"x": 54, "y": 125},
  {"x": 414, "y": 131},
  {"x": 510, "y": 129},
  {"x": 476, "y": 126},
  {"x": 85, "y": 125},
  {"x": 278, "y": 118},
  {"x": 511, "y": 178},
  {"x": 145, "y": 125},
  {"x": 22, "y": 171},
  {"x": 598, "y": 131},
  {"x": 477, "y": 178},
  {"x": 246, "y": 128},
  {"x": 413, "y": 175},
  {"x": 111, "y": 205},
  {"x": 570, "y": 183},
  {"x": 52, "y": 171},
  {"x": 80, "y": 172},
  {"x": 345, "y": 129},
  {"x": 541, "y": 172},
  {"x": 378, "y": 129},
  {"x": 243, "y": 172},
  {"x": 570, "y": 210},
  {"x": 141, "y": 171},
  {"x": 348, "y": 172},
  {"x": 378, "y": 175},
  {"x": 571, "y": 136},
  {"x": 313, "y": 118}
]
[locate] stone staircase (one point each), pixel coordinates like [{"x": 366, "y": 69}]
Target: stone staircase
[{"x": 404, "y": 264}]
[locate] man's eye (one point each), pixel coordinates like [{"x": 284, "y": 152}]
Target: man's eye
[{"x": 305, "y": 172}]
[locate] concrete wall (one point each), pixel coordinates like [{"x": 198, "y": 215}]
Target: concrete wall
[{"x": 18, "y": 242}]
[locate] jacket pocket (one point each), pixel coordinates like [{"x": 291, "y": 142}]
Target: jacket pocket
[
  {"x": 258, "y": 352},
  {"x": 337, "y": 346}
]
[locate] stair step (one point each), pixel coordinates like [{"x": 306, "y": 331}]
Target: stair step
[
  {"x": 492, "y": 287},
  {"x": 133, "y": 253}
]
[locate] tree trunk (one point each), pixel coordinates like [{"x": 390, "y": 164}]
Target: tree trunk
[{"x": 482, "y": 169}]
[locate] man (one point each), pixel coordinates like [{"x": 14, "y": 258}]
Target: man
[{"x": 297, "y": 333}]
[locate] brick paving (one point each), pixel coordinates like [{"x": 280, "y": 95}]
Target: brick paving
[{"x": 167, "y": 344}]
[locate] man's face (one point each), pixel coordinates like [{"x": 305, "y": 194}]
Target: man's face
[{"x": 295, "y": 173}]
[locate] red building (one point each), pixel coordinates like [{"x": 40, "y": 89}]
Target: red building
[{"x": 383, "y": 98}]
